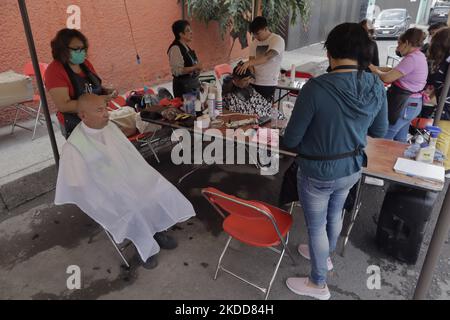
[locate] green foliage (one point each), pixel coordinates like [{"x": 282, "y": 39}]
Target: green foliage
[
  {"x": 234, "y": 16},
  {"x": 304, "y": 8}
]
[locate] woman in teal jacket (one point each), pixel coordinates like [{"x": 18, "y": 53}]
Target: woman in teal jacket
[{"x": 331, "y": 119}]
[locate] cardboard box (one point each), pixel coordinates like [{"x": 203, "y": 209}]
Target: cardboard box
[{"x": 15, "y": 88}]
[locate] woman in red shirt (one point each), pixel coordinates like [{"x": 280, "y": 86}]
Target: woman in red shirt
[{"x": 71, "y": 75}]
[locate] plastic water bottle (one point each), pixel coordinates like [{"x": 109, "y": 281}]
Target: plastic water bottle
[
  {"x": 211, "y": 105},
  {"x": 219, "y": 106},
  {"x": 274, "y": 117},
  {"x": 147, "y": 97}
]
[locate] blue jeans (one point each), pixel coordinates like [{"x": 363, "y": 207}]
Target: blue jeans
[
  {"x": 399, "y": 131},
  {"x": 322, "y": 203}
]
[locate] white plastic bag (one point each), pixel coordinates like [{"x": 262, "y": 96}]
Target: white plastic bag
[
  {"x": 125, "y": 119},
  {"x": 144, "y": 126}
]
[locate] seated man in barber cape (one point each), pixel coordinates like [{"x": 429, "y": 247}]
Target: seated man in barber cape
[{"x": 105, "y": 176}]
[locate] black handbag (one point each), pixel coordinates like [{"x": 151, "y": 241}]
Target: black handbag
[{"x": 136, "y": 101}]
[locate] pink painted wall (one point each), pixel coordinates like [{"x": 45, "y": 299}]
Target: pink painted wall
[{"x": 105, "y": 24}]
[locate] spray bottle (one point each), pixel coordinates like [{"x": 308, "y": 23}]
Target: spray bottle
[
  {"x": 293, "y": 73},
  {"x": 426, "y": 154},
  {"x": 211, "y": 105},
  {"x": 147, "y": 97}
]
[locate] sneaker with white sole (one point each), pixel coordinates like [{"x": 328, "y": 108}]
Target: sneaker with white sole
[
  {"x": 303, "y": 249},
  {"x": 300, "y": 286}
]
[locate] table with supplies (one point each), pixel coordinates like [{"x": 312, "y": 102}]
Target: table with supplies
[
  {"x": 286, "y": 86},
  {"x": 382, "y": 155}
]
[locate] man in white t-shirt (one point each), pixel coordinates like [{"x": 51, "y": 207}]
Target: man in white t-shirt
[{"x": 266, "y": 53}]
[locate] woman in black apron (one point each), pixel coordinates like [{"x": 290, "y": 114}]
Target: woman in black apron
[
  {"x": 407, "y": 80},
  {"x": 71, "y": 75},
  {"x": 183, "y": 60}
]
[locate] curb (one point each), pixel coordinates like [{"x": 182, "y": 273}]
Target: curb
[{"x": 26, "y": 185}]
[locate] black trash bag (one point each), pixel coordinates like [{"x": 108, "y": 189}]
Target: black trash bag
[
  {"x": 163, "y": 93},
  {"x": 289, "y": 191}
]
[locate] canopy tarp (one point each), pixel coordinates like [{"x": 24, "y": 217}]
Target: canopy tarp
[{"x": 440, "y": 232}]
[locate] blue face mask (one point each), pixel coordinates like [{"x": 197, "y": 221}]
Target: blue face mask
[{"x": 77, "y": 57}]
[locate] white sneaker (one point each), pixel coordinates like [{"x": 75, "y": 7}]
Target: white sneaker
[
  {"x": 300, "y": 286},
  {"x": 303, "y": 249}
]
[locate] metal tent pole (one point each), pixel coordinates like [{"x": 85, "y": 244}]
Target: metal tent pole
[
  {"x": 440, "y": 233},
  {"x": 40, "y": 83},
  {"x": 183, "y": 14},
  {"x": 443, "y": 97},
  {"x": 253, "y": 9}
]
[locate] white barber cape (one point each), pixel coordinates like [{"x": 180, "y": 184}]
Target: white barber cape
[{"x": 102, "y": 173}]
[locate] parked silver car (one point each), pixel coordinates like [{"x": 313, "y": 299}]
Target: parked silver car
[
  {"x": 439, "y": 14},
  {"x": 391, "y": 23}
]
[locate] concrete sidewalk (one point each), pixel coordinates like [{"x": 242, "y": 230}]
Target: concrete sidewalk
[
  {"x": 40, "y": 241},
  {"x": 26, "y": 167}
]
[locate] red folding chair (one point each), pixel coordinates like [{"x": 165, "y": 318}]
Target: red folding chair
[
  {"x": 421, "y": 123},
  {"x": 117, "y": 103},
  {"x": 29, "y": 71},
  {"x": 254, "y": 223},
  {"x": 418, "y": 126},
  {"x": 221, "y": 71},
  {"x": 300, "y": 74}
]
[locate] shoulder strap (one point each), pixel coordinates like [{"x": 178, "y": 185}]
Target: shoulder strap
[
  {"x": 73, "y": 81},
  {"x": 346, "y": 67},
  {"x": 358, "y": 151},
  {"x": 92, "y": 77},
  {"x": 179, "y": 45},
  {"x": 186, "y": 52}
]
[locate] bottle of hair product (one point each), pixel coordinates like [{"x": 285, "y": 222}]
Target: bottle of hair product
[
  {"x": 293, "y": 73},
  {"x": 218, "y": 106},
  {"x": 147, "y": 97},
  {"x": 211, "y": 105},
  {"x": 426, "y": 154},
  {"x": 198, "y": 108}
]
